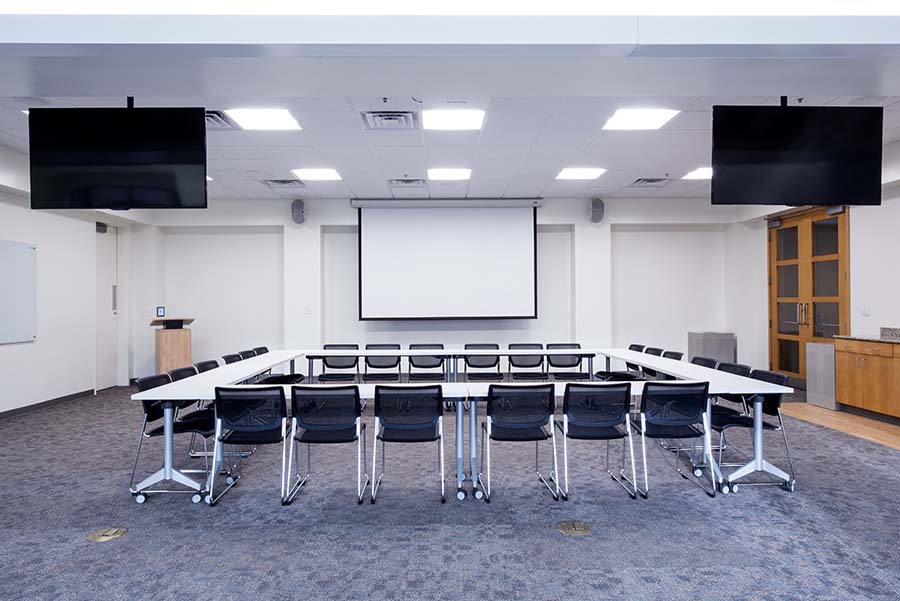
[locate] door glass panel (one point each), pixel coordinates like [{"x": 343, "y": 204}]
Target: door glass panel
[
  {"x": 788, "y": 282},
  {"x": 825, "y": 237},
  {"x": 789, "y": 356},
  {"x": 787, "y": 318},
  {"x": 827, "y": 321},
  {"x": 825, "y": 278},
  {"x": 787, "y": 243}
]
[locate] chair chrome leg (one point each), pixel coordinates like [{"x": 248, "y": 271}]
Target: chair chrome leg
[
  {"x": 137, "y": 455},
  {"x": 787, "y": 448},
  {"x": 566, "y": 457},
  {"x": 360, "y": 462},
  {"x": 441, "y": 456},
  {"x": 376, "y": 481},
  {"x": 555, "y": 461},
  {"x": 485, "y": 483}
]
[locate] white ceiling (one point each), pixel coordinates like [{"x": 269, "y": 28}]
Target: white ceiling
[{"x": 524, "y": 143}]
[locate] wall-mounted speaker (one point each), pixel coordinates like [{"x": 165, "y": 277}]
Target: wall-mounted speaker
[
  {"x": 298, "y": 212},
  {"x": 596, "y": 210}
]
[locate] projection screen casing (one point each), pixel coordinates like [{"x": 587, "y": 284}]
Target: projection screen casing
[{"x": 447, "y": 263}]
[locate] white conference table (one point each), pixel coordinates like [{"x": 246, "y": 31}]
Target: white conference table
[{"x": 200, "y": 387}]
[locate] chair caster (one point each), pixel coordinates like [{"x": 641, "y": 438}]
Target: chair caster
[
  {"x": 195, "y": 498},
  {"x": 229, "y": 480},
  {"x": 443, "y": 499},
  {"x": 372, "y": 501},
  {"x": 725, "y": 488},
  {"x": 208, "y": 500},
  {"x": 698, "y": 473},
  {"x": 140, "y": 498},
  {"x": 460, "y": 494},
  {"x": 789, "y": 485},
  {"x": 359, "y": 501},
  {"x": 479, "y": 494}
]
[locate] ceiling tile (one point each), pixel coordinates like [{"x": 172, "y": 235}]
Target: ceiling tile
[{"x": 329, "y": 121}]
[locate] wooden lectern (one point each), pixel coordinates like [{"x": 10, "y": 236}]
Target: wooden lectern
[{"x": 173, "y": 343}]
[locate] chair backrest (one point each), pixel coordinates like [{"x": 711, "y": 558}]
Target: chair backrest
[
  {"x": 340, "y": 362},
  {"x": 704, "y": 361},
  {"x": 232, "y": 358},
  {"x": 260, "y": 350},
  {"x": 564, "y": 361},
  {"x": 673, "y": 355},
  {"x": 674, "y": 403},
  {"x": 318, "y": 408},
  {"x": 423, "y": 361},
  {"x": 152, "y": 410},
  {"x": 638, "y": 348},
  {"x": 738, "y": 369},
  {"x": 182, "y": 372},
  {"x": 388, "y": 362},
  {"x": 652, "y": 350},
  {"x": 250, "y": 409},
  {"x": 409, "y": 407},
  {"x": 525, "y": 361},
  {"x": 482, "y": 361},
  {"x": 511, "y": 406},
  {"x": 206, "y": 365},
  {"x": 597, "y": 405},
  {"x": 247, "y": 354},
  {"x": 771, "y": 402}
]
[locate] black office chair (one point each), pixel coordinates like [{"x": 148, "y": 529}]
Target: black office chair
[
  {"x": 632, "y": 373},
  {"x": 705, "y": 361},
  {"x": 672, "y": 355},
  {"x": 260, "y": 350},
  {"x": 517, "y": 413},
  {"x": 247, "y": 354},
  {"x": 647, "y": 372},
  {"x": 231, "y": 358},
  {"x": 427, "y": 362},
  {"x": 570, "y": 364},
  {"x": 248, "y": 416},
  {"x": 382, "y": 363},
  {"x": 484, "y": 363},
  {"x": 406, "y": 415},
  {"x": 526, "y": 362},
  {"x": 771, "y": 406},
  {"x": 738, "y": 369},
  {"x": 182, "y": 372},
  {"x": 204, "y": 366},
  {"x": 675, "y": 410},
  {"x": 326, "y": 416},
  {"x": 598, "y": 412},
  {"x": 340, "y": 363},
  {"x": 153, "y": 415}
]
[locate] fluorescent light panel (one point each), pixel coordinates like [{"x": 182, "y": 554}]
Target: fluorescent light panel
[
  {"x": 449, "y": 174},
  {"x": 319, "y": 174},
  {"x": 640, "y": 118},
  {"x": 699, "y": 173},
  {"x": 453, "y": 119},
  {"x": 209, "y": 179},
  {"x": 264, "y": 119},
  {"x": 581, "y": 173}
]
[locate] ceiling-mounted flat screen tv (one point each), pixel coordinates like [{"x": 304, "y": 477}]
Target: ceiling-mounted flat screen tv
[
  {"x": 792, "y": 155},
  {"x": 117, "y": 158}
]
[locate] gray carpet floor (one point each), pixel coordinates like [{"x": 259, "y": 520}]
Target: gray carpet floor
[{"x": 64, "y": 473}]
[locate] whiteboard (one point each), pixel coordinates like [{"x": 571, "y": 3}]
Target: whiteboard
[{"x": 18, "y": 292}]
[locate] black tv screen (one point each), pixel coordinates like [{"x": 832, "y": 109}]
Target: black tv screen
[
  {"x": 117, "y": 158},
  {"x": 776, "y": 155}
]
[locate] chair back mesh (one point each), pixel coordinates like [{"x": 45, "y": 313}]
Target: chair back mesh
[
  {"x": 247, "y": 354},
  {"x": 526, "y": 361},
  {"x": 423, "y": 361},
  {"x": 563, "y": 361},
  {"x": 597, "y": 405},
  {"x": 638, "y": 348},
  {"x": 409, "y": 407},
  {"x": 340, "y": 362},
  {"x": 704, "y": 361},
  {"x": 652, "y": 350},
  {"x": 260, "y": 350},
  {"x": 771, "y": 402},
  {"x": 206, "y": 366},
  {"x": 482, "y": 361},
  {"x": 389, "y": 362},
  {"x": 520, "y": 406},
  {"x": 673, "y": 355},
  {"x": 674, "y": 403},
  {"x": 182, "y": 372},
  {"x": 738, "y": 369},
  {"x": 152, "y": 410},
  {"x": 231, "y": 358},
  {"x": 318, "y": 408},
  {"x": 250, "y": 409}
]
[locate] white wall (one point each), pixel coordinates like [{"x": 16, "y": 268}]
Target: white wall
[
  {"x": 874, "y": 264},
  {"x": 746, "y": 290},
  {"x": 61, "y": 359}
]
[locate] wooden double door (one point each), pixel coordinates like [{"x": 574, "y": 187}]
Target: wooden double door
[{"x": 809, "y": 285}]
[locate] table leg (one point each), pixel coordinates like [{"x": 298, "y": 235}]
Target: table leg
[
  {"x": 460, "y": 443},
  {"x": 608, "y": 364},
  {"x": 168, "y": 471},
  {"x": 473, "y": 443},
  {"x": 758, "y": 463},
  {"x": 293, "y": 371},
  {"x": 309, "y": 371},
  {"x": 591, "y": 366}
]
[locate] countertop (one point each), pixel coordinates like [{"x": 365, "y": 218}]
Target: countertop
[{"x": 871, "y": 339}]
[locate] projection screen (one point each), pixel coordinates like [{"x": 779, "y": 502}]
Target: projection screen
[{"x": 447, "y": 263}]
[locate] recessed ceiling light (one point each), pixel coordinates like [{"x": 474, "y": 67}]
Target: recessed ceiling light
[
  {"x": 457, "y": 119},
  {"x": 263, "y": 119},
  {"x": 640, "y": 118},
  {"x": 581, "y": 173},
  {"x": 699, "y": 173},
  {"x": 209, "y": 179},
  {"x": 325, "y": 174},
  {"x": 449, "y": 174},
  {"x": 25, "y": 112}
]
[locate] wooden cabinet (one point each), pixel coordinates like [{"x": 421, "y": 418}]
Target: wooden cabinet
[{"x": 867, "y": 375}]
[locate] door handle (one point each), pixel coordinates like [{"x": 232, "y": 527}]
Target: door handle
[
  {"x": 806, "y": 314},
  {"x": 799, "y": 322}
]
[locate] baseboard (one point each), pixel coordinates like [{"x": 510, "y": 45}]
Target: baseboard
[
  {"x": 881, "y": 417},
  {"x": 44, "y": 404}
]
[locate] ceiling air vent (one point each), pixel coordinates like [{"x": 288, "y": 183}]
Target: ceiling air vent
[
  {"x": 390, "y": 120},
  {"x": 218, "y": 120},
  {"x": 407, "y": 183},
  {"x": 650, "y": 182},
  {"x": 283, "y": 184}
]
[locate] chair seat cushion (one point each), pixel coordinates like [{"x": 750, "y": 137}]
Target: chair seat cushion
[
  {"x": 570, "y": 376},
  {"x": 723, "y": 410},
  {"x": 203, "y": 427},
  {"x": 337, "y": 377},
  {"x": 529, "y": 376},
  {"x": 484, "y": 376},
  {"x": 577, "y": 432},
  {"x": 721, "y": 421},
  {"x": 517, "y": 434},
  {"x": 388, "y": 377},
  {"x": 207, "y": 413},
  {"x": 617, "y": 376},
  {"x": 657, "y": 431},
  {"x": 282, "y": 379},
  {"x": 329, "y": 436},
  {"x": 425, "y": 376},
  {"x": 262, "y": 437},
  {"x": 427, "y": 434}
]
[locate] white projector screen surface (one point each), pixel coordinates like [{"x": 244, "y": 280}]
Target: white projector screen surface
[{"x": 447, "y": 263}]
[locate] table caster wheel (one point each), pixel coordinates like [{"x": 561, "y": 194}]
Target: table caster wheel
[
  {"x": 479, "y": 494},
  {"x": 140, "y": 498},
  {"x": 460, "y": 494},
  {"x": 208, "y": 500},
  {"x": 195, "y": 498},
  {"x": 698, "y": 473},
  {"x": 789, "y": 485},
  {"x": 724, "y": 488},
  {"x": 229, "y": 480}
]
